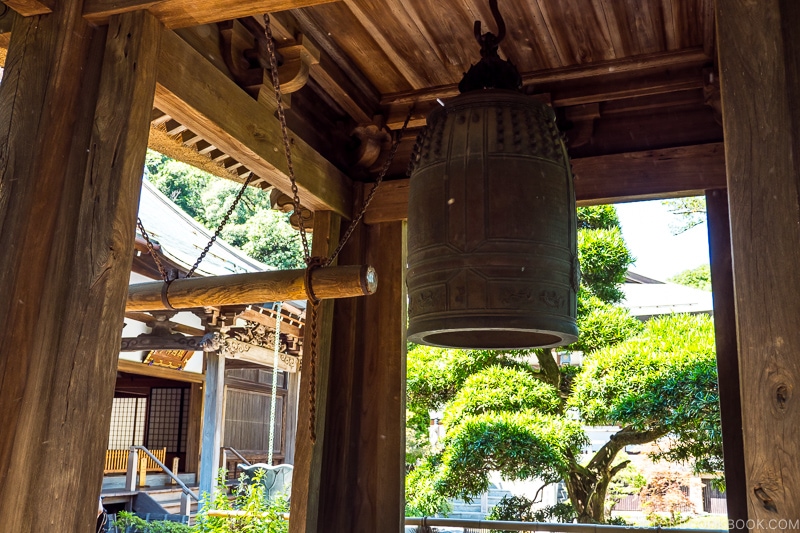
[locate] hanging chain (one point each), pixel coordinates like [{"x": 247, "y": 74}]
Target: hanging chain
[
  {"x": 316, "y": 262},
  {"x": 222, "y": 224},
  {"x": 152, "y": 250},
  {"x": 371, "y": 195},
  {"x": 276, "y": 351},
  {"x": 287, "y": 148}
]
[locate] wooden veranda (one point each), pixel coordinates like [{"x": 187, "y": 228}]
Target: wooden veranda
[{"x": 658, "y": 98}]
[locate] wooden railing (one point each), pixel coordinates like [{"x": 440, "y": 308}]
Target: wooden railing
[{"x": 117, "y": 461}]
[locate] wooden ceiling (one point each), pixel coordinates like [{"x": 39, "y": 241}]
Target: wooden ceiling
[
  {"x": 633, "y": 83},
  {"x": 413, "y": 45}
]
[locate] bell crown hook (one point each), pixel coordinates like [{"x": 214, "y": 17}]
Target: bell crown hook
[{"x": 489, "y": 41}]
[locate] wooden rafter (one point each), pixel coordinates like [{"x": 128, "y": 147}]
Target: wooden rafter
[{"x": 183, "y": 13}]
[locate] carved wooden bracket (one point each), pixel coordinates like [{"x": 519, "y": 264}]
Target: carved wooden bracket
[
  {"x": 283, "y": 202},
  {"x": 373, "y": 138},
  {"x": 245, "y": 55},
  {"x": 296, "y": 66}
]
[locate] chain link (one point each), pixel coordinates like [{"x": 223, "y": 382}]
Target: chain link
[
  {"x": 315, "y": 262},
  {"x": 386, "y": 165},
  {"x": 222, "y": 224},
  {"x": 287, "y": 148},
  {"x": 152, "y": 250}
]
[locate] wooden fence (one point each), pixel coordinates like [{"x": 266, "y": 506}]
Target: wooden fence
[{"x": 117, "y": 461}]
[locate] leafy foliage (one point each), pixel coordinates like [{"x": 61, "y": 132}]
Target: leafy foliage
[
  {"x": 260, "y": 514},
  {"x": 604, "y": 262},
  {"x": 691, "y": 212},
  {"x": 521, "y": 413},
  {"x": 664, "y": 378},
  {"x": 499, "y": 389},
  {"x": 520, "y": 509},
  {"x": 699, "y": 278},
  {"x": 597, "y": 217},
  {"x": 517, "y": 445},
  {"x": 126, "y": 522},
  {"x": 262, "y": 233},
  {"x": 664, "y": 501},
  {"x": 628, "y": 482}
]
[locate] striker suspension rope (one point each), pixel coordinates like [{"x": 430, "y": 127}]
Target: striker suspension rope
[{"x": 276, "y": 351}]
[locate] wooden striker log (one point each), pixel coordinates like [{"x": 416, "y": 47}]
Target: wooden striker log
[{"x": 253, "y": 288}]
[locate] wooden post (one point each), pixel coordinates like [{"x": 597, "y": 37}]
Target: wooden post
[
  {"x": 213, "y": 420},
  {"x": 308, "y": 457},
  {"x": 759, "y": 57},
  {"x": 194, "y": 428},
  {"x": 75, "y": 106},
  {"x": 719, "y": 240},
  {"x": 131, "y": 471},
  {"x": 143, "y": 471},
  {"x": 363, "y": 469}
]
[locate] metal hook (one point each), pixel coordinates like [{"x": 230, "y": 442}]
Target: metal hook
[{"x": 501, "y": 25}]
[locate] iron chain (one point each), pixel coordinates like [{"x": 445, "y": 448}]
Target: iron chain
[
  {"x": 222, "y": 224},
  {"x": 152, "y": 250}
]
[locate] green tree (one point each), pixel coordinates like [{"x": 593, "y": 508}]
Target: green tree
[
  {"x": 522, "y": 413},
  {"x": 699, "y": 278},
  {"x": 260, "y": 232},
  {"x": 690, "y": 212}
]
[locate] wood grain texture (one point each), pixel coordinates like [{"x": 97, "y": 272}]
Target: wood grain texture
[
  {"x": 194, "y": 429},
  {"x": 362, "y": 483},
  {"x": 29, "y": 8},
  {"x": 202, "y": 98},
  {"x": 251, "y": 288},
  {"x": 308, "y": 456},
  {"x": 74, "y": 114},
  {"x": 719, "y": 243},
  {"x": 759, "y": 53},
  {"x": 665, "y": 173},
  {"x": 183, "y": 13}
]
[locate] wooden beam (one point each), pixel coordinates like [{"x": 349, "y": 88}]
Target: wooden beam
[
  {"x": 759, "y": 58},
  {"x": 268, "y": 319},
  {"x": 141, "y": 369},
  {"x": 730, "y": 400},
  {"x": 253, "y": 288},
  {"x": 74, "y": 114},
  {"x": 648, "y": 175},
  {"x": 693, "y": 57},
  {"x": 183, "y": 13},
  {"x": 308, "y": 461},
  {"x": 666, "y": 173},
  {"x": 29, "y": 8},
  {"x": 196, "y": 94}
]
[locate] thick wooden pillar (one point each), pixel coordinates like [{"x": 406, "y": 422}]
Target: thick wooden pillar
[
  {"x": 75, "y": 106},
  {"x": 308, "y": 462},
  {"x": 759, "y": 57},
  {"x": 213, "y": 421},
  {"x": 719, "y": 240},
  {"x": 363, "y": 470}
]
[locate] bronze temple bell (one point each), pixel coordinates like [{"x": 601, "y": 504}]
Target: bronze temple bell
[{"x": 492, "y": 237}]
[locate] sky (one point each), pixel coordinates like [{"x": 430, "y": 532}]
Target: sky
[{"x": 658, "y": 253}]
